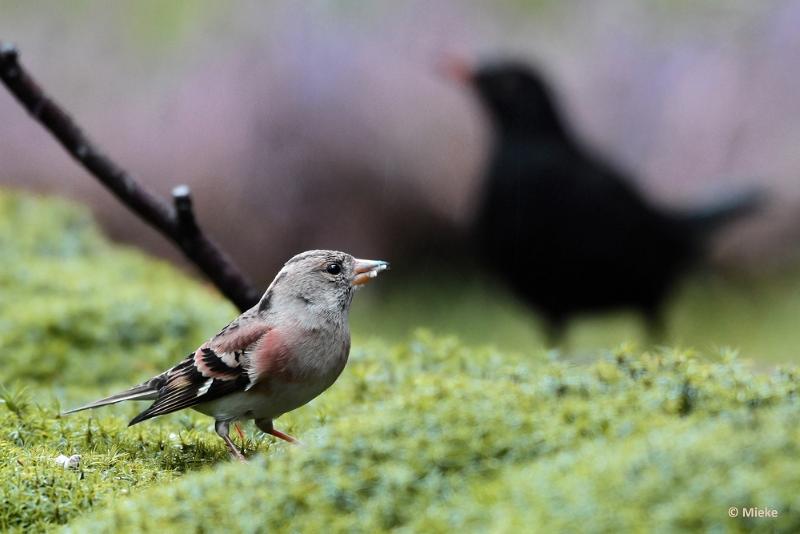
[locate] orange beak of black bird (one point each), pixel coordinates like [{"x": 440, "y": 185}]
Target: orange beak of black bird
[{"x": 456, "y": 68}]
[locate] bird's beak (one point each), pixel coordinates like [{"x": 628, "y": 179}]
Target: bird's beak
[
  {"x": 366, "y": 270},
  {"x": 456, "y": 69}
]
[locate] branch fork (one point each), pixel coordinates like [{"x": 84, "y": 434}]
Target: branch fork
[{"x": 176, "y": 222}]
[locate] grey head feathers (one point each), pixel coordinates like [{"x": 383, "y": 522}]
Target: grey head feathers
[{"x": 318, "y": 279}]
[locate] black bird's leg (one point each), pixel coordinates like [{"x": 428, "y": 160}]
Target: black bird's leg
[
  {"x": 655, "y": 325},
  {"x": 554, "y": 331},
  {"x": 222, "y": 430}
]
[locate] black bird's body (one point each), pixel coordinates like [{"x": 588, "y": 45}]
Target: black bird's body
[
  {"x": 567, "y": 231},
  {"x": 572, "y": 238}
]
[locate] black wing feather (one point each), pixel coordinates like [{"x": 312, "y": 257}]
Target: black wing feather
[{"x": 185, "y": 385}]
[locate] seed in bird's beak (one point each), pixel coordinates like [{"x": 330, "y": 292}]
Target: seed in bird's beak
[{"x": 366, "y": 270}]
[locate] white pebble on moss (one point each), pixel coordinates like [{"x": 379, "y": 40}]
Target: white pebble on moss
[{"x": 68, "y": 462}]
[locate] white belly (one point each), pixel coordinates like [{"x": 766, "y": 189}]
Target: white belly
[{"x": 281, "y": 398}]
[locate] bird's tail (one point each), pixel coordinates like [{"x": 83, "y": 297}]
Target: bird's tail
[
  {"x": 707, "y": 220},
  {"x": 142, "y": 392}
]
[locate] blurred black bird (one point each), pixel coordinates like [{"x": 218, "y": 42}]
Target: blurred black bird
[{"x": 566, "y": 230}]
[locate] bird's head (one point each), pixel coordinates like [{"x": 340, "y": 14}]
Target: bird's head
[
  {"x": 324, "y": 279},
  {"x": 513, "y": 93}
]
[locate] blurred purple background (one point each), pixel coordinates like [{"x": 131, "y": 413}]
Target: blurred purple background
[{"x": 326, "y": 124}]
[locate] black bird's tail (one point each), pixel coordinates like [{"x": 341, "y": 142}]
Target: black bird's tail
[
  {"x": 145, "y": 391},
  {"x": 705, "y": 221}
]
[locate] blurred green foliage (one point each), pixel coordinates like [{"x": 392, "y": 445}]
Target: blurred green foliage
[
  {"x": 152, "y": 25},
  {"x": 75, "y": 310},
  {"x": 756, "y": 314},
  {"x": 429, "y": 434}
]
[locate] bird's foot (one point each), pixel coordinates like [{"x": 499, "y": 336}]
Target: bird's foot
[
  {"x": 286, "y": 437},
  {"x": 236, "y": 454},
  {"x": 265, "y": 425},
  {"x": 234, "y": 450},
  {"x": 222, "y": 430}
]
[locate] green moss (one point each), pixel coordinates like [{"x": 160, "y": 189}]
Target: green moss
[
  {"x": 431, "y": 435},
  {"x": 423, "y": 435},
  {"x": 682, "y": 475},
  {"x": 36, "y": 492},
  {"x": 67, "y": 296},
  {"x": 80, "y": 318}
]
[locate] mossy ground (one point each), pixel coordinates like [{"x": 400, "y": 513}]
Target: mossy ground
[{"x": 428, "y": 434}]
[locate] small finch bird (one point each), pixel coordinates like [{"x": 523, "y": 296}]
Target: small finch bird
[{"x": 273, "y": 358}]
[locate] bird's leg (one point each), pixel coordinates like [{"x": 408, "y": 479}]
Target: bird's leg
[
  {"x": 222, "y": 430},
  {"x": 238, "y": 428},
  {"x": 655, "y": 325},
  {"x": 265, "y": 425},
  {"x": 554, "y": 331},
  {"x": 286, "y": 437}
]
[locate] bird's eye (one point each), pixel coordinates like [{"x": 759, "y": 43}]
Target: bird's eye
[{"x": 333, "y": 268}]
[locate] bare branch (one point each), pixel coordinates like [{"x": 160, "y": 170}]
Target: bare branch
[
  {"x": 178, "y": 224},
  {"x": 182, "y": 198}
]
